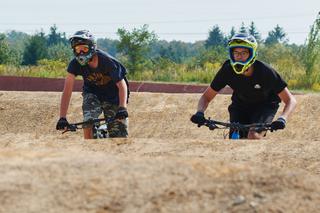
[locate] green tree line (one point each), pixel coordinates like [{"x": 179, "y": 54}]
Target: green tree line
[{"x": 151, "y": 59}]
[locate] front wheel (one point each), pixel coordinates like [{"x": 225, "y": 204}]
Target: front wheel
[
  {"x": 94, "y": 132},
  {"x": 100, "y": 131}
]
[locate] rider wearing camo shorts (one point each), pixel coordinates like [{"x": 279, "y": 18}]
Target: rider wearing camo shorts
[{"x": 105, "y": 87}]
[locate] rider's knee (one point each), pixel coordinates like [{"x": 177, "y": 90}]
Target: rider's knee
[
  {"x": 87, "y": 133},
  {"x": 255, "y": 135}
]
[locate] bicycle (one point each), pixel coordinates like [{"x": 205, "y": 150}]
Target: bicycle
[
  {"x": 236, "y": 128},
  {"x": 99, "y": 127}
]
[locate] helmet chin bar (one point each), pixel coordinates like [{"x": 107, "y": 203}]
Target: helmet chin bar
[
  {"x": 84, "y": 59},
  {"x": 239, "y": 68}
]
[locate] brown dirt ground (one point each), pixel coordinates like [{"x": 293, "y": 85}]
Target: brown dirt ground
[{"x": 166, "y": 165}]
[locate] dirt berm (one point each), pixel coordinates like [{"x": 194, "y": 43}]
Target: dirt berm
[{"x": 166, "y": 165}]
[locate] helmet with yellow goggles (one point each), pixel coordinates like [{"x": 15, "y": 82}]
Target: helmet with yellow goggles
[
  {"x": 242, "y": 40},
  {"x": 84, "y": 46}
]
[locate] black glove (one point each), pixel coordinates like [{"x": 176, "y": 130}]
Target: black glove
[
  {"x": 122, "y": 113},
  {"x": 62, "y": 123},
  {"x": 198, "y": 118},
  {"x": 280, "y": 123}
]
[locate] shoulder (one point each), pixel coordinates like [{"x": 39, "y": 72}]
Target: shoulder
[
  {"x": 110, "y": 62},
  {"x": 73, "y": 61},
  {"x": 226, "y": 64},
  {"x": 265, "y": 69},
  {"x": 263, "y": 66},
  {"x": 270, "y": 75},
  {"x": 226, "y": 67},
  {"x": 110, "y": 58},
  {"x": 107, "y": 57},
  {"x": 103, "y": 55},
  {"x": 73, "y": 65}
]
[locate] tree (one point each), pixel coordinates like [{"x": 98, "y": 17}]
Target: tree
[
  {"x": 55, "y": 38},
  {"x": 277, "y": 35},
  {"x": 135, "y": 45},
  {"x": 108, "y": 45},
  {"x": 243, "y": 28},
  {"x": 215, "y": 55},
  {"x": 254, "y": 32},
  {"x": 8, "y": 55},
  {"x": 60, "y": 52},
  {"x": 35, "y": 50},
  {"x": 176, "y": 51},
  {"x": 216, "y": 38},
  {"x": 232, "y": 32},
  {"x": 312, "y": 50},
  {"x": 17, "y": 41},
  {"x": 4, "y": 50}
]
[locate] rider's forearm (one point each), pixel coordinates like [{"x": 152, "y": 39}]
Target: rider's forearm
[
  {"x": 66, "y": 95},
  {"x": 122, "y": 86},
  {"x": 64, "y": 105},
  {"x": 289, "y": 101},
  {"x": 288, "y": 108},
  {"x": 202, "y": 104}
]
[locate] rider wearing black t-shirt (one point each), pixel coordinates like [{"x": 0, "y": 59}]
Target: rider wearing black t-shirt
[
  {"x": 257, "y": 89},
  {"x": 105, "y": 87}
]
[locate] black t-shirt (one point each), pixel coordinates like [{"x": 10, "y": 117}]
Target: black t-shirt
[
  {"x": 261, "y": 87},
  {"x": 102, "y": 80}
]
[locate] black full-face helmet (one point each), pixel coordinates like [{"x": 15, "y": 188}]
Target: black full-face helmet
[{"x": 83, "y": 37}]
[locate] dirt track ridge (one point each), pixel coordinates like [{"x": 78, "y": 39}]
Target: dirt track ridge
[{"x": 166, "y": 165}]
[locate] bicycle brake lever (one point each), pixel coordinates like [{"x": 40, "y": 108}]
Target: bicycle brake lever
[
  {"x": 65, "y": 131},
  {"x": 70, "y": 128},
  {"x": 212, "y": 127},
  {"x": 261, "y": 129}
]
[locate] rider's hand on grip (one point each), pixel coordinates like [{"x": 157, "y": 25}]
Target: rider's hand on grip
[
  {"x": 280, "y": 123},
  {"x": 62, "y": 124},
  {"x": 122, "y": 113},
  {"x": 198, "y": 118}
]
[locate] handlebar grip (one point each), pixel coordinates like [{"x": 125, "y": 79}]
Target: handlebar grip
[{"x": 72, "y": 128}]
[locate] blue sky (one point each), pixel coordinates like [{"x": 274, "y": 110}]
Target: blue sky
[{"x": 184, "y": 20}]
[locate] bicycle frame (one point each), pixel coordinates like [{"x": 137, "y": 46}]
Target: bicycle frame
[{"x": 99, "y": 127}]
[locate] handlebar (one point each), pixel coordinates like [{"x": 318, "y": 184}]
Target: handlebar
[
  {"x": 257, "y": 127},
  {"x": 74, "y": 126}
]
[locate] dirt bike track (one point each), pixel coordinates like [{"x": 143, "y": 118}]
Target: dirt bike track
[{"x": 166, "y": 165}]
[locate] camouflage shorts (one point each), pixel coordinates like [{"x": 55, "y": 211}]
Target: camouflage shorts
[{"x": 92, "y": 108}]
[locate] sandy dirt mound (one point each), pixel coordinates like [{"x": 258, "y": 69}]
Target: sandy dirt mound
[{"x": 166, "y": 165}]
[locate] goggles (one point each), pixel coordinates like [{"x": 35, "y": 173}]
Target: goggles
[
  {"x": 84, "y": 48},
  {"x": 240, "y": 54}
]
